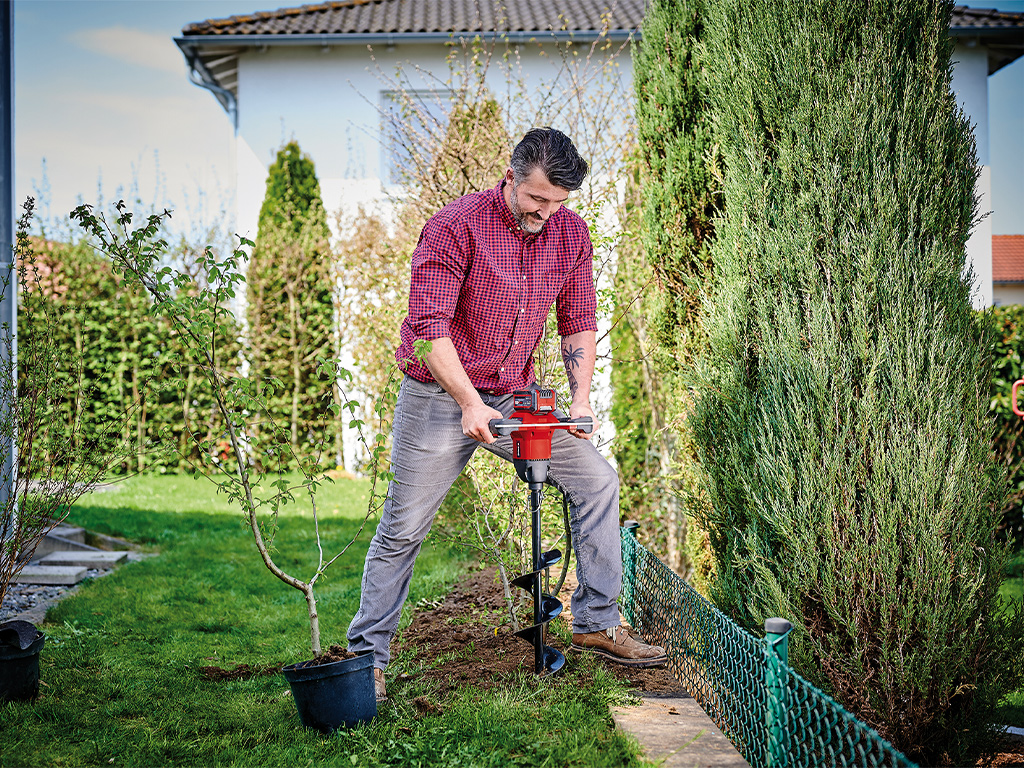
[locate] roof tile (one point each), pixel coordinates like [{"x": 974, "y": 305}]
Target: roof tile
[{"x": 1008, "y": 258}]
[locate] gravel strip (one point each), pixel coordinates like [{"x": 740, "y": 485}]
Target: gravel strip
[{"x": 36, "y": 598}]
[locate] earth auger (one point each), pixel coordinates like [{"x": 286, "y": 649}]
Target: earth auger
[{"x": 531, "y": 425}]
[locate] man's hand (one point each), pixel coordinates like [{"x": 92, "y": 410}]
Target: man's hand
[
  {"x": 475, "y": 418},
  {"x": 579, "y": 410}
]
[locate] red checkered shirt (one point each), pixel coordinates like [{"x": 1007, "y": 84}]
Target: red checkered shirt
[{"x": 481, "y": 281}]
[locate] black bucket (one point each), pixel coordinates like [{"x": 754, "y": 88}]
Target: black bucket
[
  {"x": 335, "y": 695},
  {"x": 19, "y": 670}
]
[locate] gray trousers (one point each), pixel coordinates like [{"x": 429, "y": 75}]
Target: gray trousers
[{"x": 428, "y": 453}]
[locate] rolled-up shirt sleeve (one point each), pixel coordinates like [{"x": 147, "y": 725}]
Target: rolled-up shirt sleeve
[
  {"x": 576, "y": 306},
  {"x": 439, "y": 266}
]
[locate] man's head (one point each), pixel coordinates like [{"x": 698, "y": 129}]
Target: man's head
[{"x": 545, "y": 168}]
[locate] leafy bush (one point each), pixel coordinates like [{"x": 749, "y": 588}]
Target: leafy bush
[
  {"x": 122, "y": 354},
  {"x": 1008, "y": 443},
  {"x": 842, "y": 416}
]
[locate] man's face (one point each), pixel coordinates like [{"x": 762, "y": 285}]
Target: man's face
[{"x": 533, "y": 200}]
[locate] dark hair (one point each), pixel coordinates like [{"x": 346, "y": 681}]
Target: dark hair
[{"x": 554, "y": 153}]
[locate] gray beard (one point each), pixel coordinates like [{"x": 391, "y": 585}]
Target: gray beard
[{"x": 525, "y": 221}]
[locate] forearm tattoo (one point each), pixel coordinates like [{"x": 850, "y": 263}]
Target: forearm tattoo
[{"x": 572, "y": 358}]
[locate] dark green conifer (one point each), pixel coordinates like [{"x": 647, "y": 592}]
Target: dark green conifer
[
  {"x": 842, "y": 406},
  {"x": 291, "y": 306}
]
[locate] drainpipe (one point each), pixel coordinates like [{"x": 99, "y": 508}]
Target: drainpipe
[
  {"x": 226, "y": 96},
  {"x": 8, "y": 274}
]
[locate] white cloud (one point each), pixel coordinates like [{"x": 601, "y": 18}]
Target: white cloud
[{"x": 133, "y": 46}]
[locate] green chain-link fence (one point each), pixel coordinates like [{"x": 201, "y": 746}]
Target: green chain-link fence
[{"x": 773, "y": 716}]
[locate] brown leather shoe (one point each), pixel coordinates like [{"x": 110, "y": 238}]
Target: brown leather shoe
[
  {"x": 378, "y": 685},
  {"x": 621, "y": 645}
]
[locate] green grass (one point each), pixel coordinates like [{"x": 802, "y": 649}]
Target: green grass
[
  {"x": 1011, "y": 708},
  {"x": 1013, "y": 586},
  {"x": 120, "y": 675}
]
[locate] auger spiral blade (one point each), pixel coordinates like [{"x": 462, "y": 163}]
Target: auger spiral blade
[
  {"x": 551, "y": 607},
  {"x": 546, "y": 607},
  {"x": 547, "y": 559}
]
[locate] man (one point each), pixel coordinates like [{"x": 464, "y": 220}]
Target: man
[{"x": 485, "y": 273}]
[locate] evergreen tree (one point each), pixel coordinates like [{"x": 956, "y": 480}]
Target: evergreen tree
[
  {"x": 291, "y": 305},
  {"x": 660, "y": 331},
  {"x": 842, "y": 409}
]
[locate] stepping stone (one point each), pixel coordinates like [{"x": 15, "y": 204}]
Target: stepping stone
[
  {"x": 675, "y": 730},
  {"x": 70, "y": 532},
  {"x": 100, "y": 559},
  {"x": 50, "y": 574}
]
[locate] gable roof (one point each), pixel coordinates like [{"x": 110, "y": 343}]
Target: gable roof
[
  {"x": 405, "y": 17},
  {"x": 212, "y": 47},
  {"x": 1008, "y": 258}
]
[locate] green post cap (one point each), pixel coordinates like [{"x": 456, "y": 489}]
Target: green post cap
[{"x": 777, "y": 626}]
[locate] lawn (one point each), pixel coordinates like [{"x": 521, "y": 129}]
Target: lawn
[
  {"x": 1011, "y": 709},
  {"x": 121, "y": 666}
]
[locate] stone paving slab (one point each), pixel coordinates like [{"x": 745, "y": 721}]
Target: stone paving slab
[
  {"x": 676, "y": 730},
  {"x": 50, "y": 574},
  {"x": 99, "y": 559}
]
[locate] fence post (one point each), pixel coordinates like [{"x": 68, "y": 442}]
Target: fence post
[
  {"x": 629, "y": 573},
  {"x": 777, "y": 639}
]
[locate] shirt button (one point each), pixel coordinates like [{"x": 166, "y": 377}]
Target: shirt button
[{"x": 502, "y": 370}]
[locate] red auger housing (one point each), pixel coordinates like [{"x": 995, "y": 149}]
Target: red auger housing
[{"x": 530, "y": 425}]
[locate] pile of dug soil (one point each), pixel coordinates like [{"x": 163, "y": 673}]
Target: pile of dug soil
[{"x": 467, "y": 640}]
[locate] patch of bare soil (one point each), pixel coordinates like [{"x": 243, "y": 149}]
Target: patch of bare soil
[
  {"x": 332, "y": 654},
  {"x": 1007, "y": 759},
  {"x": 467, "y": 640},
  {"x": 246, "y": 672}
]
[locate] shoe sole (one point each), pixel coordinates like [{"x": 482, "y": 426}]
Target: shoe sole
[{"x": 656, "y": 661}]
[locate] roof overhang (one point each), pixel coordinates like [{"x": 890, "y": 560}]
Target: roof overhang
[{"x": 1005, "y": 44}]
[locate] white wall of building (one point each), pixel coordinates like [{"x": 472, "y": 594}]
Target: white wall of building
[
  {"x": 970, "y": 84},
  {"x": 329, "y": 101},
  {"x": 1008, "y": 293}
]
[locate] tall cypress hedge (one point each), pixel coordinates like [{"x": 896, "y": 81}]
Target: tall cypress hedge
[
  {"x": 842, "y": 413},
  {"x": 291, "y": 309},
  {"x": 676, "y": 154}
]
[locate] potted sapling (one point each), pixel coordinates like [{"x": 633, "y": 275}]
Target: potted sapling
[{"x": 333, "y": 688}]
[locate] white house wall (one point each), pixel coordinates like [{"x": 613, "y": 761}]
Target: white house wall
[
  {"x": 970, "y": 84},
  {"x": 328, "y": 100}
]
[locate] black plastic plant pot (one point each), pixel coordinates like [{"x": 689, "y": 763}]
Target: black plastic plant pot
[
  {"x": 19, "y": 670},
  {"x": 335, "y": 695}
]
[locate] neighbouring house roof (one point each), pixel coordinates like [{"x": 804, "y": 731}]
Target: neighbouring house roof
[
  {"x": 212, "y": 47},
  {"x": 1008, "y": 259},
  {"x": 404, "y": 17}
]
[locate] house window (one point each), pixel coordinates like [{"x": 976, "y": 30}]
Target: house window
[{"x": 413, "y": 125}]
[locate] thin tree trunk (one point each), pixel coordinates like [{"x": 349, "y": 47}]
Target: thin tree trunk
[{"x": 293, "y": 323}]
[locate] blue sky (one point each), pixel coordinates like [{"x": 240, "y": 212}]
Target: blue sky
[{"x": 103, "y": 98}]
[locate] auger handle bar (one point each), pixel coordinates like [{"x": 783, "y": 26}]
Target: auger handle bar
[{"x": 502, "y": 427}]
